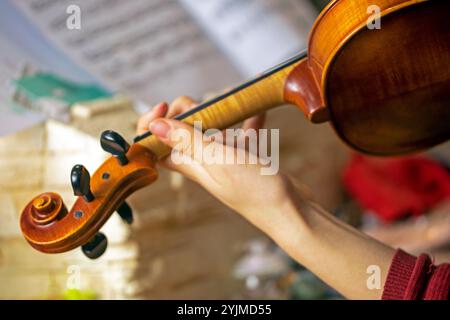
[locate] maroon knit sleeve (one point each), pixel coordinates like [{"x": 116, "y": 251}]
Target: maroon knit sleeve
[{"x": 411, "y": 278}]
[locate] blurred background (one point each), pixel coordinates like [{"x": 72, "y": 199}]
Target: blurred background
[{"x": 71, "y": 69}]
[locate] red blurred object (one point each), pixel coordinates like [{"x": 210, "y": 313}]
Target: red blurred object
[{"x": 396, "y": 188}]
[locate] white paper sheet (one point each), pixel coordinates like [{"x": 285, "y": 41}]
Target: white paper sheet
[
  {"x": 152, "y": 50},
  {"x": 255, "y": 34}
]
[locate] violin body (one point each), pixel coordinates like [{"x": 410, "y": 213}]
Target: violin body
[{"x": 385, "y": 91}]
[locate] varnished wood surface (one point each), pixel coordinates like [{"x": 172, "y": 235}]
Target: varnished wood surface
[
  {"x": 388, "y": 90},
  {"x": 303, "y": 90},
  {"x": 62, "y": 230},
  {"x": 338, "y": 23}
]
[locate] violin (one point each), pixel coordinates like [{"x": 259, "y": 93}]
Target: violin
[{"x": 385, "y": 91}]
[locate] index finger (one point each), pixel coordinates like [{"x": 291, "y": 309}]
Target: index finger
[{"x": 158, "y": 111}]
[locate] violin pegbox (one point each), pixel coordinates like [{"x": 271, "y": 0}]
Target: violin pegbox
[{"x": 49, "y": 227}]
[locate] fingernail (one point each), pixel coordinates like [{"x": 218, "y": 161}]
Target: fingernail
[
  {"x": 160, "y": 128},
  {"x": 160, "y": 105}
]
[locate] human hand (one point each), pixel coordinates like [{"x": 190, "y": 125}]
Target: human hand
[
  {"x": 240, "y": 186},
  {"x": 285, "y": 212}
]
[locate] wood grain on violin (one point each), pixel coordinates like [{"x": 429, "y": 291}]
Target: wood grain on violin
[
  {"x": 276, "y": 87},
  {"x": 50, "y": 228},
  {"x": 385, "y": 91}
]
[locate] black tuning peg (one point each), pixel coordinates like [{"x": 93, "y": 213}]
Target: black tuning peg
[
  {"x": 96, "y": 246},
  {"x": 125, "y": 212},
  {"x": 81, "y": 180},
  {"x": 115, "y": 144}
]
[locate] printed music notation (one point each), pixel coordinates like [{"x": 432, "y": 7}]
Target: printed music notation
[{"x": 152, "y": 50}]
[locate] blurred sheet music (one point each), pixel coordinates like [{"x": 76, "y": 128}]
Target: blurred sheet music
[
  {"x": 152, "y": 50},
  {"x": 13, "y": 118},
  {"x": 255, "y": 34}
]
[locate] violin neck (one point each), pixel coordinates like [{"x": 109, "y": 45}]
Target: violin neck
[{"x": 249, "y": 99}]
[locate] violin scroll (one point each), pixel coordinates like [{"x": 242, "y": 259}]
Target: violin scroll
[
  {"x": 46, "y": 208},
  {"x": 49, "y": 227}
]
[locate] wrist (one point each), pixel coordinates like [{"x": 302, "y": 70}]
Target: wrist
[
  {"x": 289, "y": 216},
  {"x": 300, "y": 228}
]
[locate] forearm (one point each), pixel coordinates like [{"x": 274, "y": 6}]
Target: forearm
[{"x": 339, "y": 254}]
